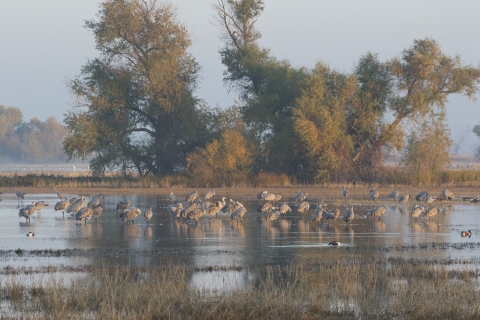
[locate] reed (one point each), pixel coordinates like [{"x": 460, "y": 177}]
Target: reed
[
  {"x": 335, "y": 290},
  {"x": 385, "y": 176}
]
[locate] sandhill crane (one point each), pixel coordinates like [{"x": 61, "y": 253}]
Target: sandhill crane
[
  {"x": 261, "y": 195},
  {"x": 272, "y": 215},
  {"x": 196, "y": 213},
  {"x": 394, "y": 194},
  {"x": 238, "y": 213},
  {"x": 374, "y": 194},
  {"x": 278, "y": 197},
  {"x": 417, "y": 211},
  {"x": 171, "y": 196},
  {"x": 269, "y": 197},
  {"x": 345, "y": 193},
  {"x": 123, "y": 205},
  {"x": 209, "y": 194},
  {"x": 264, "y": 207},
  {"x": 214, "y": 209},
  {"x": 187, "y": 210},
  {"x": 236, "y": 205},
  {"x": 448, "y": 194},
  {"x": 173, "y": 208},
  {"x": 317, "y": 215},
  {"x": 148, "y": 214},
  {"x": 84, "y": 213},
  {"x": 130, "y": 214},
  {"x": 95, "y": 201},
  {"x": 192, "y": 196},
  {"x": 430, "y": 199},
  {"x": 404, "y": 198},
  {"x": 302, "y": 207},
  {"x": 331, "y": 215},
  {"x": 284, "y": 208},
  {"x": 39, "y": 205},
  {"x": 422, "y": 196},
  {"x": 300, "y": 196},
  {"x": 221, "y": 203},
  {"x": 431, "y": 212},
  {"x": 59, "y": 194},
  {"x": 229, "y": 207},
  {"x": 62, "y": 205},
  {"x": 20, "y": 195},
  {"x": 349, "y": 215},
  {"x": 27, "y": 212},
  {"x": 77, "y": 205},
  {"x": 97, "y": 210},
  {"x": 441, "y": 199},
  {"x": 379, "y": 211}
]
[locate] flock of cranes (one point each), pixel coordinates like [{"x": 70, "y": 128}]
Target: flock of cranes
[
  {"x": 195, "y": 207},
  {"x": 80, "y": 208}
]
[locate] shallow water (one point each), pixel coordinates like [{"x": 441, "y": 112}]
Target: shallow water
[{"x": 222, "y": 242}]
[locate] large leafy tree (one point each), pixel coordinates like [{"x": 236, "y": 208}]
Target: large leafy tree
[
  {"x": 136, "y": 105},
  {"x": 267, "y": 86},
  {"x": 370, "y": 110}
]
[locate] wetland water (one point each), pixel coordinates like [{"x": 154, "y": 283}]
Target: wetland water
[{"x": 221, "y": 242}]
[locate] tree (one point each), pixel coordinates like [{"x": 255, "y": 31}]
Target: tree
[
  {"x": 321, "y": 124},
  {"x": 34, "y": 141},
  {"x": 428, "y": 147},
  {"x": 268, "y": 87},
  {"x": 137, "y": 111},
  {"x": 226, "y": 159},
  {"x": 423, "y": 79},
  {"x": 10, "y": 117}
]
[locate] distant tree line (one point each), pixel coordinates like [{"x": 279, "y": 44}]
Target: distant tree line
[
  {"x": 137, "y": 109},
  {"x": 34, "y": 141}
]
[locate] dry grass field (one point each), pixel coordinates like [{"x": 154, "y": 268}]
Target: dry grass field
[{"x": 346, "y": 289}]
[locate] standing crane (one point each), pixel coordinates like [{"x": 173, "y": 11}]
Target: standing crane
[
  {"x": 20, "y": 195},
  {"x": 59, "y": 194}
]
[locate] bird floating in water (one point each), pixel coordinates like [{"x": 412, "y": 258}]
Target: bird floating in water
[
  {"x": 30, "y": 234},
  {"x": 466, "y": 233},
  {"x": 334, "y": 243}
]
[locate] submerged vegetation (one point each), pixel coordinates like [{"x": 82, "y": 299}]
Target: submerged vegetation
[{"x": 335, "y": 290}]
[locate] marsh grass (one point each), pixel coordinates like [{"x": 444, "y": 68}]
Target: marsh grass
[
  {"x": 384, "y": 176},
  {"x": 335, "y": 290}
]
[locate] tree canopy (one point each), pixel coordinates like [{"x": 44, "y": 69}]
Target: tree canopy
[
  {"x": 136, "y": 104},
  {"x": 319, "y": 123},
  {"x": 34, "y": 141},
  {"x": 137, "y": 109}
]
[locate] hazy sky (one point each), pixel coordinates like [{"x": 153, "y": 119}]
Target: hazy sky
[{"x": 43, "y": 43}]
